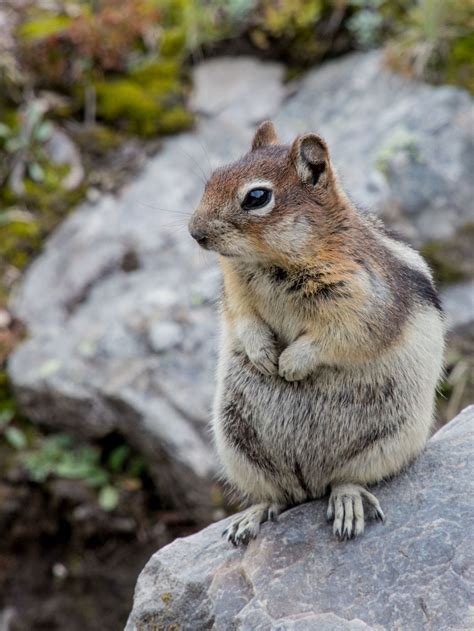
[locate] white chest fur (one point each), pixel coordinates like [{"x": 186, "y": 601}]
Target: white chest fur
[{"x": 277, "y": 308}]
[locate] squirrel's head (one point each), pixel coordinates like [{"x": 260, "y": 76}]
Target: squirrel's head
[{"x": 274, "y": 204}]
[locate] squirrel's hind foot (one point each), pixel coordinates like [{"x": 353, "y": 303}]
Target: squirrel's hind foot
[
  {"x": 246, "y": 526},
  {"x": 346, "y": 508}
]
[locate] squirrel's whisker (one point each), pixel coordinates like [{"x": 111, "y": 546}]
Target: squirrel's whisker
[
  {"x": 203, "y": 177},
  {"x": 167, "y": 210},
  {"x": 206, "y": 153}
]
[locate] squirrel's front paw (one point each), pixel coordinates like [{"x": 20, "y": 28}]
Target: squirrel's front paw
[
  {"x": 297, "y": 361},
  {"x": 264, "y": 357},
  {"x": 259, "y": 343}
]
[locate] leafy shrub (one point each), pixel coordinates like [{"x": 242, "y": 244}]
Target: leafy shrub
[{"x": 87, "y": 56}]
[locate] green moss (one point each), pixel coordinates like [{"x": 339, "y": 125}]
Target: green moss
[
  {"x": 44, "y": 26},
  {"x": 293, "y": 73},
  {"x": 146, "y": 106},
  {"x": 290, "y": 26},
  {"x": 122, "y": 99},
  {"x": 22, "y": 232},
  {"x": 152, "y": 70},
  {"x": 460, "y": 63},
  {"x": 289, "y": 17},
  {"x": 173, "y": 42},
  {"x": 19, "y": 235},
  {"x": 174, "y": 12},
  {"x": 174, "y": 120},
  {"x": 7, "y": 401},
  {"x": 53, "y": 202},
  {"x": 97, "y": 140},
  {"x": 158, "y": 80},
  {"x": 9, "y": 116}
]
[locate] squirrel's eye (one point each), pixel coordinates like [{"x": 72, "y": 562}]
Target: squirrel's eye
[{"x": 256, "y": 198}]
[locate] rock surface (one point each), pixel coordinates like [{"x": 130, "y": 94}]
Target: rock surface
[
  {"x": 414, "y": 572},
  {"x": 458, "y": 301},
  {"x": 120, "y": 307}
]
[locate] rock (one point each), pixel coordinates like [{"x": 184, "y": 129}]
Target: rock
[
  {"x": 414, "y": 572},
  {"x": 62, "y": 150},
  {"x": 218, "y": 94},
  {"x": 121, "y": 273},
  {"x": 458, "y": 302},
  {"x": 165, "y": 336},
  {"x": 7, "y": 619}
]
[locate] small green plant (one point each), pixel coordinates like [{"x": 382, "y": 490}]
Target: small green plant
[
  {"x": 57, "y": 456},
  {"x": 22, "y": 141},
  {"x": 106, "y": 469},
  {"x": 14, "y": 436}
]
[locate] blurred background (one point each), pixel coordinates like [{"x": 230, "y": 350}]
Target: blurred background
[{"x": 112, "y": 115}]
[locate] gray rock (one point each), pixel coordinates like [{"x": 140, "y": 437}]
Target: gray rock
[
  {"x": 414, "y": 572},
  {"x": 458, "y": 302},
  {"x": 8, "y": 615},
  {"x": 164, "y": 336},
  {"x": 219, "y": 94},
  {"x": 62, "y": 150},
  {"x": 114, "y": 270}
]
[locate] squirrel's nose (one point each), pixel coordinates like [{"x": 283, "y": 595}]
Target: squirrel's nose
[{"x": 199, "y": 235}]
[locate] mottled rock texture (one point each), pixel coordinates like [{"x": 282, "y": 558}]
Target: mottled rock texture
[
  {"x": 120, "y": 306},
  {"x": 415, "y": 572}
]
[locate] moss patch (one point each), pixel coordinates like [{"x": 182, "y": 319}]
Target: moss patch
[
  {"x": 146, "y": 104},
  {"x": 45, "y": 25}
]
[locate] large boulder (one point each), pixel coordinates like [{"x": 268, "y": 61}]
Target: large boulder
[
  {"x": 120, "y": 306},
  {"x": 414, "y": 572}
]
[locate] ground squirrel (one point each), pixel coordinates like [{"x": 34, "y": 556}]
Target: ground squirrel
[{"x": 332, "y": 337}]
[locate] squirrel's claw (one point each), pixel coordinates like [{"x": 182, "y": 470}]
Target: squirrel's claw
[
  {"x": 246, "y": 525},
  {"x": 346, "y": 509}
]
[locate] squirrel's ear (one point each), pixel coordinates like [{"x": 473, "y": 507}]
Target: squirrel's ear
[
  {"x": 265, "y": 135},
  {"x": 310, "y": 156}
]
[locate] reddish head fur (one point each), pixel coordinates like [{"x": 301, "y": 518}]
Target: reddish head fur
[{"x": 308, "y": 216}]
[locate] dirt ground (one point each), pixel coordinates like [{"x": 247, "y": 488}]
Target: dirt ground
[{"x": 67, "y": 565}]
